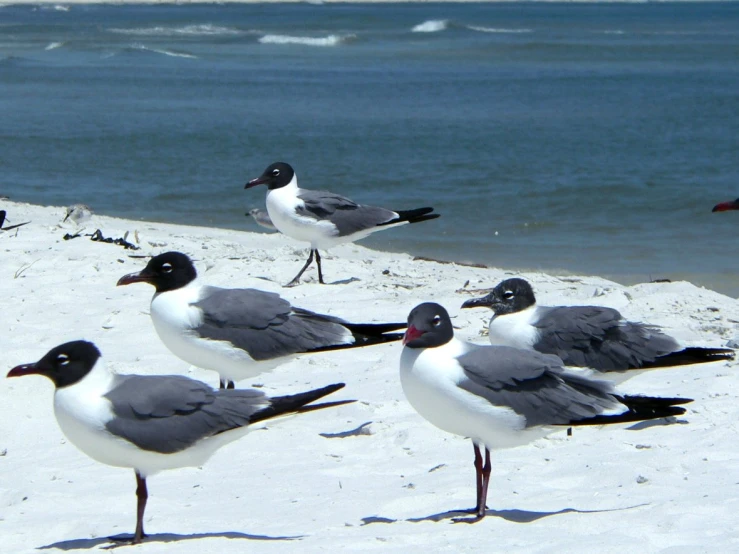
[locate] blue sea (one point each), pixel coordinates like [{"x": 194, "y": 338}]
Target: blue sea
[{"x": 569, "y": 138}]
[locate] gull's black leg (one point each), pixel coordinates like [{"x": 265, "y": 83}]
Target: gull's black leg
[{"x": 296, "y": 280}]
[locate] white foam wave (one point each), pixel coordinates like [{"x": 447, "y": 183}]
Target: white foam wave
[
  {"x": 330, "y": 40},
  {"x": 54, "y": 45},
  {"x": 191, "y": 30},
  {"x": 497, "y": 29},
  {"x": 164, "y": 52},
  {"x": 431, "y": 26}
]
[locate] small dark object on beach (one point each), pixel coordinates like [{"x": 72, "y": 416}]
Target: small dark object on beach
[
  {"x": 97, "y": 236},
  {"x": 661, "y": 281},
  {"x": 3, "y": 214}
]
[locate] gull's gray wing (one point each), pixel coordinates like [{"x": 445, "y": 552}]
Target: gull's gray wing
[
  {"x": 169, "y": 413},
  {"x": 599, "y": 338},
  {"x": 534, "y": 385},
  {"x": 264, "y": 324},
  {"x": 348, "y": 216}
]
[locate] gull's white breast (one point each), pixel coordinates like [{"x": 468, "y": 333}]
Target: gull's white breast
[
  {"x": 430, "y": 379},
  {"x": 515, "y": 330},
  {"x": 175, "y": 318}
]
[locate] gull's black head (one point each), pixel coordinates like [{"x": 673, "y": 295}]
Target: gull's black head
[
  {"x": 168, "y": 271},
  {"x": 65, "y": 365},
  {"x": 275, "y": 176},
  {"x": 508, "y": 297},
  {"x": 428, "y": 326}
]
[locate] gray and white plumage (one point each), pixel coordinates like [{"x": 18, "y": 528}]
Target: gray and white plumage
[
  {"x": 502, "y": 397},
  {"x": 79, "y": 214},
  {"x": 151, "y": 423},
  {"x": 240, "y": 332},
  {"x": 261, "y": 218},
  {"x": 322, "y": 218},
  {"x": 584, "y": 336}
]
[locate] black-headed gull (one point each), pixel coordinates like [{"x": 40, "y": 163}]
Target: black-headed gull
[
  {"x": 240, "y": 332},
  {"x": 584, "y": 336},
  {"x": 502, "y": 397},
  {"x": 322, "y": 218},
  {"x": 151, "y": 422}
]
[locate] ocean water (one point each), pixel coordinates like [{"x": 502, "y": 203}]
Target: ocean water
[{"x": 569, "y": 138}]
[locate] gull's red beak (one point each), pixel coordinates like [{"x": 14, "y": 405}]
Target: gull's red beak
[
  {"x": 411, "y": 334},
  {"x": 256, "y": 182},
  {"x": 140, "y": 277},
  {"x": 25, "y": 369},
  {"x": 726, "y": 206}
]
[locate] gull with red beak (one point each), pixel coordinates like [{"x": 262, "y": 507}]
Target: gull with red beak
[
  {"x": 152, "y": 422},
  {"x": 322, "y": 218},
  {"x": 502, "y": 397},
  {"x": 240, "y": 333}
]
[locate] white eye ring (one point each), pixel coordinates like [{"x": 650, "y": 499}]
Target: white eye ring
[
  {"x": 508, "y": 294},
  {"x": 436, "y": 321},
  {"x": 275, "y": 172},
  {"x": 62, "y": 359},
  {"x": 167, "y": 268}
]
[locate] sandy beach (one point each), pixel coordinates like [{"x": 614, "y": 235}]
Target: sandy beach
[{"x": 370, "y": 476}]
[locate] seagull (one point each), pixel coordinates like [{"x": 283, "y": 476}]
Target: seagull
[
  {"x": 261, "y": 217},
  {"x": 78, "y": 213},
  {"x": 152, "y": 422},
  {"x": 240, "y": 332},
  {"x": 501, "y": 397},
  {"x": 584, "y": 336},
  {"x": 322, "y": 218},
  {"x": 726, "y": 206}
]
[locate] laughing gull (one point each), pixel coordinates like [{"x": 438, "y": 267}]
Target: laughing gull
[
  {"x": 240, "y": 332},
  {"x": 78, "y": 213},
  {"x": 152, "y": 422},
  {"x": 261, "y": 218},
  {"x": 322, "y": 218},
  {"x": 501, "y": 397},
  {"x": 584, "y": 336},
  {"x": 726, "y": 206}
]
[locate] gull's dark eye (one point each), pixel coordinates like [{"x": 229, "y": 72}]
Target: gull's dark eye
[
  {"x": 275, "y": 172},
  {"x": 436, "y": 321},
  {"x": 508, "y": 294},
  {"x": 167, "y": 268},
  {"x": 62, "y": 359}
]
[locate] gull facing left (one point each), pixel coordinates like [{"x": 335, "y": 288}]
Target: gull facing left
[
  {"x": 501, "y": 397},
  {"x": 322, "y": 218},
  {"x": 240, "y": 332},
  {"x": 151, "y": 422}
]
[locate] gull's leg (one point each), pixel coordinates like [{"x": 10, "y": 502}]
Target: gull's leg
[
  {"x": 142, "y": 494},
  {"x": 296, "y": 280},
  {"x": 318, "y": 262}
]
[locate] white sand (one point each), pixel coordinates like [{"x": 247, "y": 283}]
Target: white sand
[{"x": 657, "y": 489}]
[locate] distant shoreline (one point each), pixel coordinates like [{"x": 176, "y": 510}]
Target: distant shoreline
[{"x": 65, "y": 3}]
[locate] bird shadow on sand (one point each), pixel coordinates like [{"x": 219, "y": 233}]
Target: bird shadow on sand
[
  {"x": 657, "y": 423},
  {"x": 117, "y": 541},
  {"x": 515, "y": 516}
]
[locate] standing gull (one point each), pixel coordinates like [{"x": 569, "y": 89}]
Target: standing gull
[
  {"x": 240, "y": 332},
  {"x": 151, "y": 423},
  {"x": 584, "y": 336},
  {"x": 79, "y": 214},
  {"x": 502, "y": 397},
  {"x": 261, "y": 218},
  {"x": 322, "y": 218}
]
